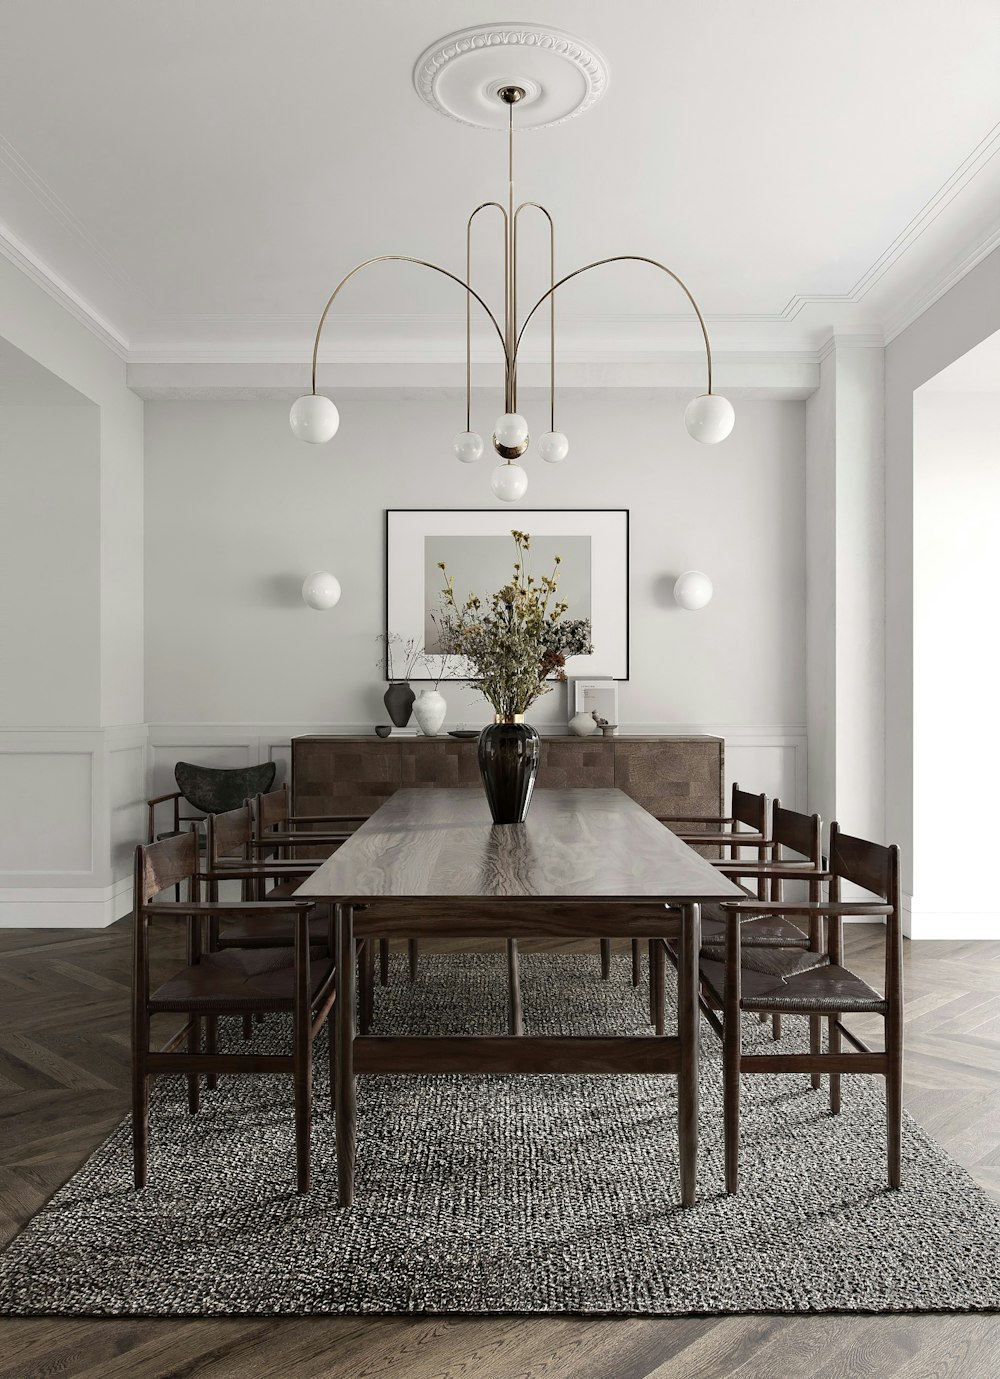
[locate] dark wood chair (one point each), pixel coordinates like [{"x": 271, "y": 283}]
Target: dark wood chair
[
  {"x": 232, "y": 842},
  {"x": 796, "y": 854},
  {"x": 745, "y": 981},
  {"x": 228, "y": 982},
  {"x": 209, "y": 790}
]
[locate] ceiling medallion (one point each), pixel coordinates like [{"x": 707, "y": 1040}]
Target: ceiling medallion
[
  {"x": 489, "y": 73},
  {"x": 460, "y": 76}
]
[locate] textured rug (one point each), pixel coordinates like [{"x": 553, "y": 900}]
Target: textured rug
[{"x": 513, "y": 1194}]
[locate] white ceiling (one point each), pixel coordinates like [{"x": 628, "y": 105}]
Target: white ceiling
[{"x": 197, "y": 175}]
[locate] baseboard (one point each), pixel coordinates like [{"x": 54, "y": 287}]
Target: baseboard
[
  {"x": 64, "y": 907},
  {"x": 959, "y": 926}
]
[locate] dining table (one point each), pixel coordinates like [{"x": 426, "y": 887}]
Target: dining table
[{"x": 584, "y": 864}]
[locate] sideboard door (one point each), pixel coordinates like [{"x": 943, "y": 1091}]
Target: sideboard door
[
  {"x": 670, "y": 776},
  {"x": 342, "y": 775}
]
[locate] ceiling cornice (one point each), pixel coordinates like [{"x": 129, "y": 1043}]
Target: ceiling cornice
[{"x": 49, "y": 281}]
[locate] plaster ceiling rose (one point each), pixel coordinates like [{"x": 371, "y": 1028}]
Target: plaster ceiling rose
[{"x": 460, "y": 75}]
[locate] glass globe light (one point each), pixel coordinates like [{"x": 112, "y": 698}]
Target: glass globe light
[
  {"x": 509, "y": 482},
  {"x": 314, "y": 418},
  {"x": 693, "y": 590},
  {"x": 321, "y": 590},
  {"x": 709, "y": 418},
  {"x": 510, "y": 431},
  {"x": 468, "y": 446},
  {"x": 553, "y": 447}
]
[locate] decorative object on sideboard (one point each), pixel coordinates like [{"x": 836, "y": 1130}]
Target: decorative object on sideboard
[
  {"x": 607, "y": 729},
  {"x": 596, "y": 697},
  {"x": 383, "y": 729},
  {"x": 429, "y": 711},
  {"x": 583, "y": 724},
  {"x": 693, "y": 590},
  {"x": 454, "y": 66},
  {"x": 474, "y": 543},
  {"x": 401, "y": 655},
  {"x": 321, "y": 590},
  {"x": 514, "y": 642}
]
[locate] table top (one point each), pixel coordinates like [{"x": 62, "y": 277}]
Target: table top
[{"x": 574, "y": 845}]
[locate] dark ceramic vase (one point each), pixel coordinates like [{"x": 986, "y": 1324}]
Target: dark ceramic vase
[
  {"x": 399, "y": 703},
  {"x": 508, "y": 763}
]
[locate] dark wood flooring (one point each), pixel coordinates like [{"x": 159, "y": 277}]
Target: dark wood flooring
[{"x": 63, "y": 1085}]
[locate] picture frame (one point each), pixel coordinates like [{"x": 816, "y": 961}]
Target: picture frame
[
  {"x": 595, "y": 696},
  {"x": 477, "y": 547}
]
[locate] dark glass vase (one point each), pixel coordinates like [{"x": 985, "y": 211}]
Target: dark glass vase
[
  {"x": 398, "y": 700},
  {"x": 508, "y": 763}
]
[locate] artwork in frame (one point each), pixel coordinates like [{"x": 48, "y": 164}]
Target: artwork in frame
[
  {"x": 477, "y": 547},
  {"x": 595, "y": 696}
]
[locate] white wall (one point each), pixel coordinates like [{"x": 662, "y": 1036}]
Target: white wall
[
  {"x": 964, "y": 316},
  {"x": 956, "y": 657},
  {"x": 72, "y": 738},
  {"x": 237, "y": 512}
]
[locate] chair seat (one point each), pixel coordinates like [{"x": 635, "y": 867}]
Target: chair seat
[
  {"x": 274, "y": 931},
  {"x": 822, "y": 987},
  {"x": 756, "y": 931},
  {"x": 237, "y": 979}
]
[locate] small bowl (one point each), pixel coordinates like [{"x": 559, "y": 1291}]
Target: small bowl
[{"x": 383, "y": 729}]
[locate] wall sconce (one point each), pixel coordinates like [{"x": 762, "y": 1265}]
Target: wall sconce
[
  {"x": 692, "y": 590},
  {"x": 321, "y": 590}
]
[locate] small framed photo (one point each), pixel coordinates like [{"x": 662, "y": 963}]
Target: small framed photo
[{"x": 595, "y": 696}]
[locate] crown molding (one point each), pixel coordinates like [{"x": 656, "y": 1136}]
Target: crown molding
[{"x": 62, "y": 292}]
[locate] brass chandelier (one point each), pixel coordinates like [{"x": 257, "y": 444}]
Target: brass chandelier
[{"x": 708, "y": 417}]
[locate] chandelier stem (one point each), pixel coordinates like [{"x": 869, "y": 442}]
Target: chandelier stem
[
  {"x": 486, "y": 205},
  {"x": 534, "y": 205},
  {"x": 422, "y": 263},
  {"x": 510, "y": 269},
  {"x": 622, "y": 258}
]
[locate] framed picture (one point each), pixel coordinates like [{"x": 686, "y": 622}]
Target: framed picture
[
  {"x": 595, "y": 696},
  {"x": 477, "y": 547}
]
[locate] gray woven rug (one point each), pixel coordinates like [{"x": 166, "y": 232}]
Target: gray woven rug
[{"x": 514, "y": 1194}]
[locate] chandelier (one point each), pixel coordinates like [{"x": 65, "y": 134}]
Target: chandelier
[{"x": 708, "y": 417}]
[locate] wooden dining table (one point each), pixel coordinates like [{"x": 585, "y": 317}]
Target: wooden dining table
[{"x": 588, "y": 863}]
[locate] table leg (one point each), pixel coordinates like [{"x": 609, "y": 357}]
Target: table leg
[
  {"x": 346, "y": 1098},
  {"x": 688, "y": 1031},
  {"x": 515, "y": 1024}
]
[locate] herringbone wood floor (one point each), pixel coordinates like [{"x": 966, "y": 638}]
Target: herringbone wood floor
[{"x": 63, "y": 1085}]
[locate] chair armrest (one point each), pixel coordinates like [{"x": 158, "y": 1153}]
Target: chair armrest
[
  {"x": 327, "y": 818},
  {"x": 808, "y": 907},
  {"x": 239, "y": 871},
  {"x": 754, "y": 840},
  {"x": 161, "y": 799},
  {"x": 268, "y": 840},
  {"x": 180, "y": 908},
  {"x": 692, "y": 819},
  {"x": 790, "y": 871}
]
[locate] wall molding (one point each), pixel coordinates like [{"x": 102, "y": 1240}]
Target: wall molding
[{"x": 64, "y": 907}]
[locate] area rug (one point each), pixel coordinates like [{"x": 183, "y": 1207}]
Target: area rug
[{"x": 510, "y": 1194}]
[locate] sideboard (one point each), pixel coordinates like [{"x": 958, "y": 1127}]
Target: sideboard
[{"x": 354, "y": 775}]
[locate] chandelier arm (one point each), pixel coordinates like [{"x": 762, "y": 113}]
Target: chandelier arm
[
  {"x": 624, "y": 258},
  {"x": 468, "y": 303},
  {"x": 552, "y": 308},
  {"x": 401, "y": 258}
]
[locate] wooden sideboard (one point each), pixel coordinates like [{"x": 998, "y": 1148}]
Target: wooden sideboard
[{"x": 354, "y": 775}]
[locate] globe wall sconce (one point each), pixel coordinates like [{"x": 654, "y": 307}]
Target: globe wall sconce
[
  {"x": 321, "y": 590},
  {"x": 693, "y": 590}
]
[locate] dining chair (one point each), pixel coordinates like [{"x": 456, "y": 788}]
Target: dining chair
[
  {"x": 210, "y": 790},
  {"x": 228, "y": 982},
  {"x": 747, "y": 980},
  {"x": 796, "y": 842},
  {"x": 232, "y": 845}
]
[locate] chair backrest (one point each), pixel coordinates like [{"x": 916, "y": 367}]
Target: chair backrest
[
  {"x": 750, "y": 809},
  {"x": 874, "y": 868},
  {"x": 168, "y": 863},
  {"x": 271, "y": 809},
  {"x": 229, "y": 833},
  {"x": 801, "y": 833},
  {"x": 214, "y": 790}
]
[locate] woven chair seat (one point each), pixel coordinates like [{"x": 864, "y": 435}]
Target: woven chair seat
[
  {"x": 236, "y": 979},
  {"x": 275, "y": 931},
  {"x": 822, "y": 988}
]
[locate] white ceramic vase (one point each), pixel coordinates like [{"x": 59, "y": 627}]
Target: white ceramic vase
[
  {"x": 429, "y": 711},
  {"x": 583, "y": 724}
]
